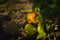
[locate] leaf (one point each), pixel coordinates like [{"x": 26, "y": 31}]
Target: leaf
[
  {"x": 52, "y": 6},
  {"x": 54, "y": 38},
  {"x": 42, "y": 34},
  {"x": 39, "y": 28},
  {"x": 37, "y": 9},
  {"x": 47, "y": 26},
  {"x": 40, "y": 31},
  {"x": 29, "y": 29},
  {"x": 30, "y": 10}
]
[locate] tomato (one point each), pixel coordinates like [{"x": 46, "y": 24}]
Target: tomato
[{"x": 30, "y": 17}]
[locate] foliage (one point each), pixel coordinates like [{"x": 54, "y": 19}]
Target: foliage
[
  {"x": 43, "y": 27},
  {"x": 38, "y": 20}
]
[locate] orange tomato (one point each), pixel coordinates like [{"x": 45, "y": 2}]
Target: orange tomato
[{"x": 30, "y": 17}]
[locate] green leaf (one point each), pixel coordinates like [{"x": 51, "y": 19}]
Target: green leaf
[
  {"x": 29, "y": 29},
  {"x": 30, "y": 10},
  {"x": 47, "y": 26},
  {"x": 39, "y": 28},
  {"x": 52, "y": 6},
  {"x": 54, "y": 38},
  {"x": 37, "y": 9},
  {"x": 41, "y": 32}
]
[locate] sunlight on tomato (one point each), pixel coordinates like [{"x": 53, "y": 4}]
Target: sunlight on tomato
[{"x": 30, "y": 17}]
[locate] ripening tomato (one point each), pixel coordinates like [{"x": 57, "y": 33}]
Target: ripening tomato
[{"x": 30, "y": 17}]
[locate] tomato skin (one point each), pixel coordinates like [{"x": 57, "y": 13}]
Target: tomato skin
[{"x": 30, "y": 17}]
